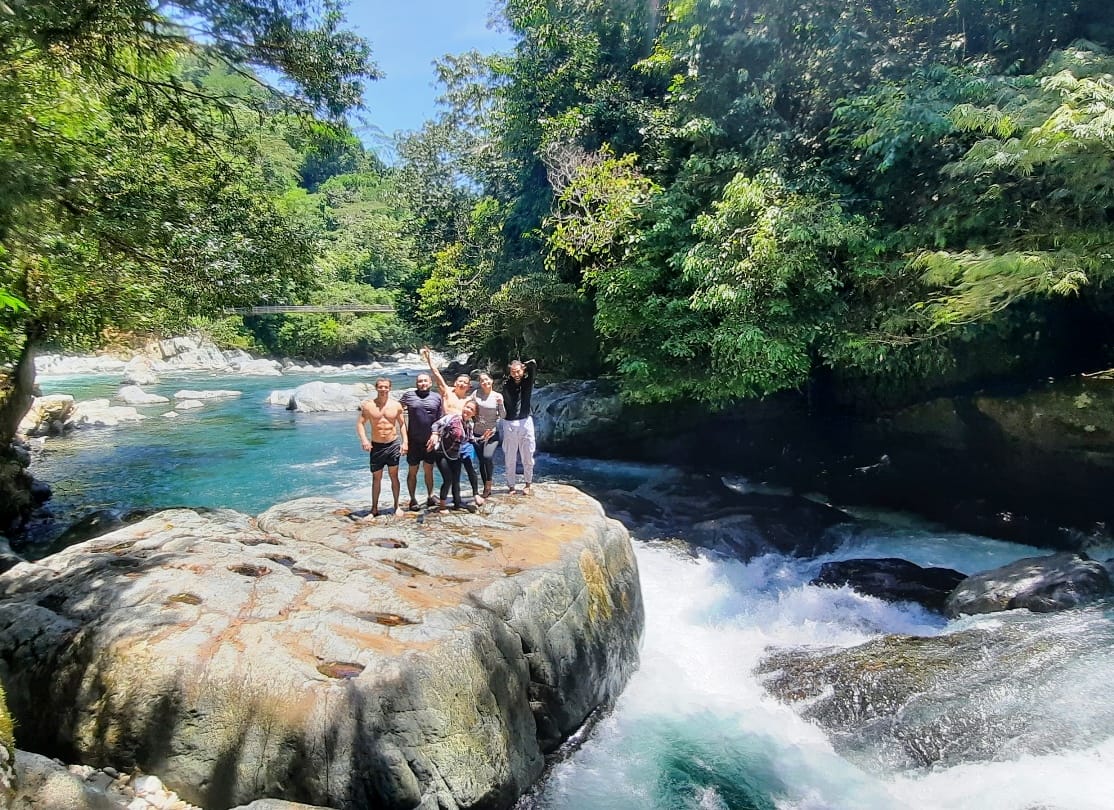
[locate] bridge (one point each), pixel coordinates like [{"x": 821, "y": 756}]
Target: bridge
[{"x": 326, "y": 308}]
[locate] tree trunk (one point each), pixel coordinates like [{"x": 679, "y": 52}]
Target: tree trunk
[
  {"x": 17, "y": 499},
  {"x": 18, "y": 391}
]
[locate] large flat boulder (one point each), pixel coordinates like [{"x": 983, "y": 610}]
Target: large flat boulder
[{"x": 315, "y": 654}]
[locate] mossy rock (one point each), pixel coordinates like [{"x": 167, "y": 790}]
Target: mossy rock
[
  {"x": 7, "y": 752},
  {"x": 1075, "y": 414}
]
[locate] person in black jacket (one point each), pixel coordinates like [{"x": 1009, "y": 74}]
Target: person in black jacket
[{"x": 518, "y": 424}]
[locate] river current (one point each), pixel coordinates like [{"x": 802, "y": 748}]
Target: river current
[{"x": 694, "y": 728}]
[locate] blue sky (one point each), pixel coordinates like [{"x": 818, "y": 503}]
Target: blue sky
[{"x": 406, "y": 37}]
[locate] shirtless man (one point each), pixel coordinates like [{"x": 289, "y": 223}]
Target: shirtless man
[
  {"x": 452, "y": 399},
  {"x": 385, "y": 416}
]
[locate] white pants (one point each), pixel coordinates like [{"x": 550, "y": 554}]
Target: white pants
[{"x": 518, "y": 440}]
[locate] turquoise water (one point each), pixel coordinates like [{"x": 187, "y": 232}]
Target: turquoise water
[
  {"x": 694, "y": 729},
  {"x": 238, "y": 453}
]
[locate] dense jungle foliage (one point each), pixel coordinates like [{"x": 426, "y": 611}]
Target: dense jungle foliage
[
  {"x": 707, "y": 199},
  {"x": 718, "y": 199}
]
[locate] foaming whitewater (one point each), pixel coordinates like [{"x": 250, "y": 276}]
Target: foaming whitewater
[{"x": 695, "y": 729}]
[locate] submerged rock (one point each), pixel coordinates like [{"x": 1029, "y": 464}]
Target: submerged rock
[
  {"x": 318, "y": 655},
  {"x": 1040, "y": 584}
]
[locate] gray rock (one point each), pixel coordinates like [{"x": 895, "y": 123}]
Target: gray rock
[
  {"x": 99, "y": 413},
  {"x": 320, "y": 656},
  {"x": 893, "y": 579},
  {"x": 140, "y": 371},
  {"x": 318, "y": 396},
  {"x": 43, "y": 784},
  {"x": 134, "y": 395},
  {"x": 1040, "y": 584},
  {"x": 47, "y": 415},
  {"x": 192, "y": 353},
  {"x": 1006, "y": 689},
  {"x": 570, "y": 415},
  {"x": 214, "y": 393}
]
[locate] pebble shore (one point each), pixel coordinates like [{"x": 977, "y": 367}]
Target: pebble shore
[{"x": 135, "y": 792}]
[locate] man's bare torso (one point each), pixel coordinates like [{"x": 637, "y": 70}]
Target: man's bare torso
[
  {"x": 383, "y": 418},
  {"x": 451, "y": 402}
]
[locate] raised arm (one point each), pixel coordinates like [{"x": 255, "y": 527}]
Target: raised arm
[{"x": 442, "y": 386}]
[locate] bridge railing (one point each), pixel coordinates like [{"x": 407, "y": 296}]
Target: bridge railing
[{"x": 276, "y": 310}]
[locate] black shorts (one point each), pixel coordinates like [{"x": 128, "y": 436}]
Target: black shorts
[
  {"x": 385, "y": 454},
  {"x": 416, "y": 453}
]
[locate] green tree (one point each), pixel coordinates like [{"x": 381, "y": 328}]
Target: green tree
[{"x": 121, "y": 200}]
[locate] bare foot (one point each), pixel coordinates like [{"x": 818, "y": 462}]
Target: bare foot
[
  {"x": 399, "y": 512},
  {"x": 479, "y": 500},
  {"x": 526, "y": 490}
]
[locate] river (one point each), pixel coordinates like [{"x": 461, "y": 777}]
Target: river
[{"x": 694, "y": 729}]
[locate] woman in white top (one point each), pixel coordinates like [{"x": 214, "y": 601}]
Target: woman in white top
[{"x": 489, "y": 410}]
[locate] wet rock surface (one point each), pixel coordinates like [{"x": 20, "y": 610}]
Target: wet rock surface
[
  {"x": 1040, "y": 584},
  {"x": 1018, "y": 465},
  {"x": 892, "y": 579},
  {"x": 706, "y": 511},
  {"x": 908, "y": 702},
  {"x": 319, "y": 655}
]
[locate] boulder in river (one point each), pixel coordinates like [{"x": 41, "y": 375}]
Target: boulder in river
[
  {"x": 1040, "y": 584},
  {"x": 318, "y": 655},
  {"x": 320, "y": 396},
  {"x": 48, "y": 415},
  {"x": 100, "y": 413},
  {"x": 134, "y": 395},
  {"x": 1013, "y": 684},
  {"x": 892, "y": 579},
  {"x": 210, "y": 393},
  {"x": 141, "y": 370}
]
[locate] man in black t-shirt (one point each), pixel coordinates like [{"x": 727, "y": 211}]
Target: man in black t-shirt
[
  {"x": 421, "y": 408},
  {"x": 518, "y": 424}
]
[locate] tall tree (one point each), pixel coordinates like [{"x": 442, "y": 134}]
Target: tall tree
[{"x": 120, "y": 194}]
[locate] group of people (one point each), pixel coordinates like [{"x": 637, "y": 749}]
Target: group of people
[{"x": 456, "y": 428}]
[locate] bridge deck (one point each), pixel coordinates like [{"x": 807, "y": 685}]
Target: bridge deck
[{"x": 331, "y": 308}]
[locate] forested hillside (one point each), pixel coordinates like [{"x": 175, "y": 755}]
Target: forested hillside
[
  {"x": 719, "y": 199},
  {"x": 704, "y": 199}
]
